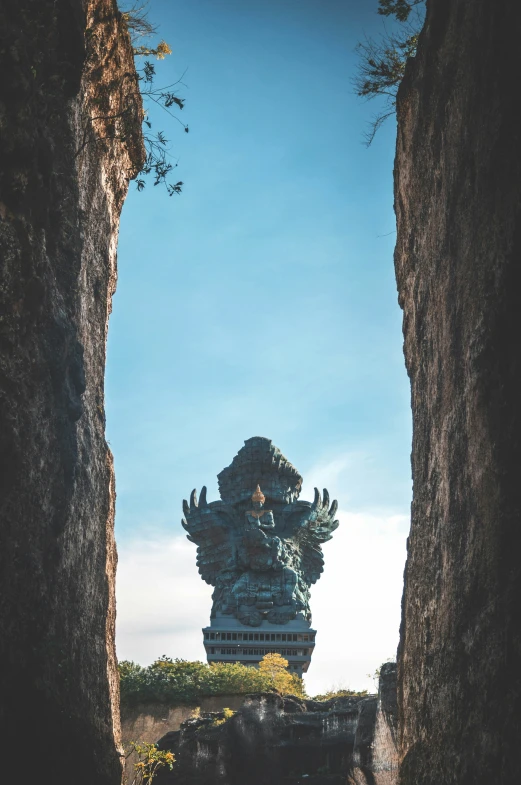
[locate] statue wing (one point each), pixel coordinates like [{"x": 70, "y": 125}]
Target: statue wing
[
  {"x": 210, "y": 527},
  {"x": 309, "y": 525}
]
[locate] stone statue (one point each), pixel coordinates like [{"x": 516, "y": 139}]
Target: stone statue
[{"x": 261, "y": 560}]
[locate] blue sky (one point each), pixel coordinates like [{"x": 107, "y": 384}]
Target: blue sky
[{"x": 261, "y": 301}]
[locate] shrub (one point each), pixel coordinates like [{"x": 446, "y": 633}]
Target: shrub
[
  {"x": 340, "y": 693},
  {"x": 274, "y": 667},
  {"x": 227, "y": 715},
  {"x": 382, "y": 61},
  {"x": 180, "y": 681},
  {"x": 149, "y": 761}
]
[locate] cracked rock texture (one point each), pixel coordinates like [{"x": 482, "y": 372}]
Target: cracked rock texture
[
  {"x": 283, "y": 740},
  {"x": 458, "y": 254},
  {"x": 63, "y": 178},
  {"x": 376, "y": 753}
]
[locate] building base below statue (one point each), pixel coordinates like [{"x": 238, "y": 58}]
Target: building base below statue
[{"x": 227, "y": 640}]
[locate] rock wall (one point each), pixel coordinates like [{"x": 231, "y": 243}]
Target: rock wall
[
  {"x": 458, "y": 253},
  {"x": 63, "y": 177},
  {"x": 271, "y": 739},
  {"x": 375, "y": 754},
  {"x": 283, "y": 740},
  {"x": 385, "y": 758},
  {"x": 148, "y": 722}
]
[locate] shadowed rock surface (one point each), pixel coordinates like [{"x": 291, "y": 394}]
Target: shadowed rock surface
[
  {"x": 289, "y": 741},
  {"x": 383, "y": 760},
  {"x": 458, "y": 203},
  {"x": 63, "y": 62},
  {"x": 148, "y": 722}
]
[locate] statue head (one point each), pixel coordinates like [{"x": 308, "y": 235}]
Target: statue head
[
  {"x": 259, "y": 461},
  {"x": 258, "y": 499}
]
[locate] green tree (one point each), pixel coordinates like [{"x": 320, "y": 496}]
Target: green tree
[
  {"x": 274, "y": 668},
  {"x": 272, "y": 665},
  {"x": 382, "y": 61},
  {"x": 179, "y": 681}
]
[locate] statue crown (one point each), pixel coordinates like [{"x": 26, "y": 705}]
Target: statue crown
[{"x": 258, "y": 496}]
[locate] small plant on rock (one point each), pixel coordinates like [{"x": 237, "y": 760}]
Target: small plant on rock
[
  {"x": 382, "y": 60},
  {"x": 150, "y": 761},
  {"x": 340, "y": 692},
  {"x": 227, "y": 715},
  {"x": 158, "y": 162}
]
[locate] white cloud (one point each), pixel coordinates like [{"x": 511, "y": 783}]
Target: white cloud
[
  {"x": 162, "y": 602},
  {"x": 356, "y": 603}
]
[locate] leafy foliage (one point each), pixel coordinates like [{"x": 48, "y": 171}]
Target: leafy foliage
[
  {"x": 227, "y": 715},
  {"x": 401, "y": 9},
  {"x": 180, "y": 681},
  {"x": 275, "y": 668},
  {"x": 158, "y": 162},
  {"x": 382, "y": 61},
  {"x": 335, "y": 692},
  {"x": 149, "y": 761},
  {"x": 159, "y": 52}
]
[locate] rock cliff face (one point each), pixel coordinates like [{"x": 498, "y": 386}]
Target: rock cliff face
[
  {"x": 458, "y": 203},
  {"x": 63, "y": 178},
  {"x": 376, "y": 748},
  {"x": 288, "y": 741},
  {"x": 270, "y": 739},
  {"x": 148, "y": 722}
]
